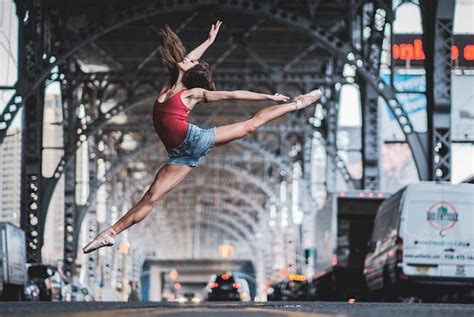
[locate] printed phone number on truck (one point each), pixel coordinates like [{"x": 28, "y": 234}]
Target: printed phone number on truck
[{"x": 468, "y": 257}]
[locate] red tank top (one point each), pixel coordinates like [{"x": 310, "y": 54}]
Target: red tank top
[{"x": 170, "y": 120}]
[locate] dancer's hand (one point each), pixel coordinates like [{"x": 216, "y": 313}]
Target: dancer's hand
[
  {"x": 214, "y": 30},
  {"x": 278, "y": 97}
]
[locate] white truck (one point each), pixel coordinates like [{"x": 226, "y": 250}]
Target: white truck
[
  {"x": 12, "y": 262},
  {"x": 422, "y": 244},
  {"x": 343, "y": 227}
]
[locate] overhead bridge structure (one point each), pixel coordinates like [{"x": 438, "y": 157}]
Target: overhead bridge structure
[{"x": 259, "y": 194}]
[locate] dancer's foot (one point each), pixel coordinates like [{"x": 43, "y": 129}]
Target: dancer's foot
[
  {"x": 307, "y": 99},
  {"x": 104, "y": 239}
]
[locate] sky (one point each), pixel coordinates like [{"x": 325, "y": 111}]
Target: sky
[{"x": 407, "y": 21}]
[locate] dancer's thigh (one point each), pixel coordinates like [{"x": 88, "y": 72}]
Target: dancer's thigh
[{"x": 167, "y": 178}]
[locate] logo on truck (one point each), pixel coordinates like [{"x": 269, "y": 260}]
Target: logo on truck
[{"x": 442, "y": 215}]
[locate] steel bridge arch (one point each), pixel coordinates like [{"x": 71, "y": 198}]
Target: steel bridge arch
[
  {"x": 247, "y": 220},
  {"x": 118, "y": 165},
  {"x": 332, "y": 43},
  {"x": 230, "y": 192},
  {"x": 225, "y": 230},
  {"x": 239, "y": 236}
]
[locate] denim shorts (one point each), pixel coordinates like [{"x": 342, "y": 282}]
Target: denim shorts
[{"x": 195, "y": 145}]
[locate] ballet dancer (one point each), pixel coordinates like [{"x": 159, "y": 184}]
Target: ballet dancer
[{"x": 190, "y": 83}]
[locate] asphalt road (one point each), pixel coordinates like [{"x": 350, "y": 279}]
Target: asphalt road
[{"x": 277, "y": 309}]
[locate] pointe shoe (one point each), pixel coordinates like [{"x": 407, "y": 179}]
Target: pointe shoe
[
  {"x": 104, "y": 239},
  {"x": 307, "y": 99}
]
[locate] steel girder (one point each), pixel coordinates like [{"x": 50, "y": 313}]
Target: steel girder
[
  {"x": 91, "y": 259},
  {"x": 438, "y": 19},
  {"x": 70, "y": 213},
  {"x": 370, "y": 139},
  {"x": 232, "y": 80},
  {"x": 373, "y": 19},
  {"x": 30, "y": 42},
  {"x": 69, "y": 105},
  {"x": 342, "y": 50}
]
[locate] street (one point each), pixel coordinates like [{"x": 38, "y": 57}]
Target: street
[{"x": 290, "y": 309}]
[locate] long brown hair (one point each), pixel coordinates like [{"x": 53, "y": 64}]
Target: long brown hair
[{"x": 172, "y": 52}]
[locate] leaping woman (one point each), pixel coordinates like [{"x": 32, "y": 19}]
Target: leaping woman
[{"x": 190, "y": 83}]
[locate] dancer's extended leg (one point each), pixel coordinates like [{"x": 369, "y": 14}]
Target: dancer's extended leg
[
  {"x": 167, "y": 178},
  {"x": 231, "y": 132}
]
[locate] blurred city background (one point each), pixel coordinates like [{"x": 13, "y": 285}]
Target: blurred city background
[{"x": 290, "y": 213}]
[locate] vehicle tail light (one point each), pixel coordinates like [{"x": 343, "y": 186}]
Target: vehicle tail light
[
  {"x": 399, "y": 252},
  {"x": 236, "y": 285},
  {"x": 334, "y": 261},
  {"x": 213, "y": 285},
  {"x": 225, "y": 277}
]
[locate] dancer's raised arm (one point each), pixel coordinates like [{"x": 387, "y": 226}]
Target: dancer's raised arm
[
  {"x": 196, "y": 53},
  {"x": 202, "y": 95}
]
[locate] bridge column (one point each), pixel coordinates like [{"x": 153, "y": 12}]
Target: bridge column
[
  {"x": 373, "y": 18},
  {"x": 30, "y": 61},
  {"x": 438, "y": 19},
  {"x": 70, "y": 103},
  {"x": 89, "y": 213}
]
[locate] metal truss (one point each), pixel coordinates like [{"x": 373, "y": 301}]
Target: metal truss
[
  {"x": 224, "y": 226},
  {"x": 438, "y": 19},
  {"x": 38, "y": 66},
  {"x": 335, "y": 45},
  {"x": 235, "y": 213},
  {"x": 234, "y": 193}
]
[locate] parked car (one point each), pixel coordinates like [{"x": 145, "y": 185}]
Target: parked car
[
  {"x": 295, "y": 288},
  {"x": 48, "y": 280},
  {"x": 422, "y": 242},
  {"x": 31, "y": 292}
]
